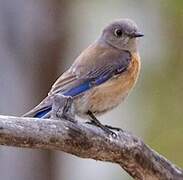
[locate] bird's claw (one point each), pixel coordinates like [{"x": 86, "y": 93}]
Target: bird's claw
[
  {"x": 114, "y": 128},
  {"x": 97, "y": 123},
  {"x": 105, "y": 128}
]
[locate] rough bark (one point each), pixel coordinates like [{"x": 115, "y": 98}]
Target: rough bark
[{"x": 88, "y": 141}]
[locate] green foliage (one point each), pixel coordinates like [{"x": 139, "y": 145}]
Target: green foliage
[{"x": 163, "y": 89}]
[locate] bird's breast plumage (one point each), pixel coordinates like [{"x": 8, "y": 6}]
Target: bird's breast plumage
[{"x": 111, "y": 93}]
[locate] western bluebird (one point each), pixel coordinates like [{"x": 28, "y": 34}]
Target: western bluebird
[{"x": 101, "y": 77}]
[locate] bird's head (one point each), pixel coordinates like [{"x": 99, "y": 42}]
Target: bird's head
[{"x": 122, "y": 34}]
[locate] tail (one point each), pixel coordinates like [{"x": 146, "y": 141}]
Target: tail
[{"x": 42, "y": 110}]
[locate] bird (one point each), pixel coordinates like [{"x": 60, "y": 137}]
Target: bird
[{"x": 101, "y": 77}]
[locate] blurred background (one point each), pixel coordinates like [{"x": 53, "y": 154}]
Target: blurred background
[{"x": 39, "y": 39}]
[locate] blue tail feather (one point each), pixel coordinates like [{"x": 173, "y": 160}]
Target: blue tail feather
[
  {"x": 40, "y": 114},
  {"x": 73, "y": 92}
]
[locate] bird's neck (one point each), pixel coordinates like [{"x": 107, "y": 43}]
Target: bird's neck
[{"x": 132, "y": 48}]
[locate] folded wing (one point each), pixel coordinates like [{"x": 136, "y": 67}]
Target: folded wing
[{"x": 87, "y": 72}]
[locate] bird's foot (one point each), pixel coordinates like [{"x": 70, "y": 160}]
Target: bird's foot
[
  {"x": 114, "y": 128},
  {"x": 97, "y": 123},
  {"x": 62, "y": 108}
]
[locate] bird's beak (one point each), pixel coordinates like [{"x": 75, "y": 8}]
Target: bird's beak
[{"x": 137, "y": 34}]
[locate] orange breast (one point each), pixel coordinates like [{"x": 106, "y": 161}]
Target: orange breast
[{"x": 108, "y": 95}]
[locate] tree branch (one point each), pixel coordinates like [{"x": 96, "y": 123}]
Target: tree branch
[{"x": 88, "y": 141}]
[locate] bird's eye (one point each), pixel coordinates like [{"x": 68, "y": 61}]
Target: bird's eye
[{"x": 118, "y": 32}]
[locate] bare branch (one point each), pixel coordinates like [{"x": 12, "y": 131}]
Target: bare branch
[{"x": 87, "y": 141}]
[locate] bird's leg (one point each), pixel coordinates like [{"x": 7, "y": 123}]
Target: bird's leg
[
  {"x": 62, "y": 108},
  {"x": 96, "y": 122}
]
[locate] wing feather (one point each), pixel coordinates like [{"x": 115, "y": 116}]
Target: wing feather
[{"x": 95, "y": 69}]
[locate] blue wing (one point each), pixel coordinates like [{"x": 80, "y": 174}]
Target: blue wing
[
  {"x": 106, "y": 68},
  {"x": 74, "y": 85},
  {"x": 91, "y": 82}
]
